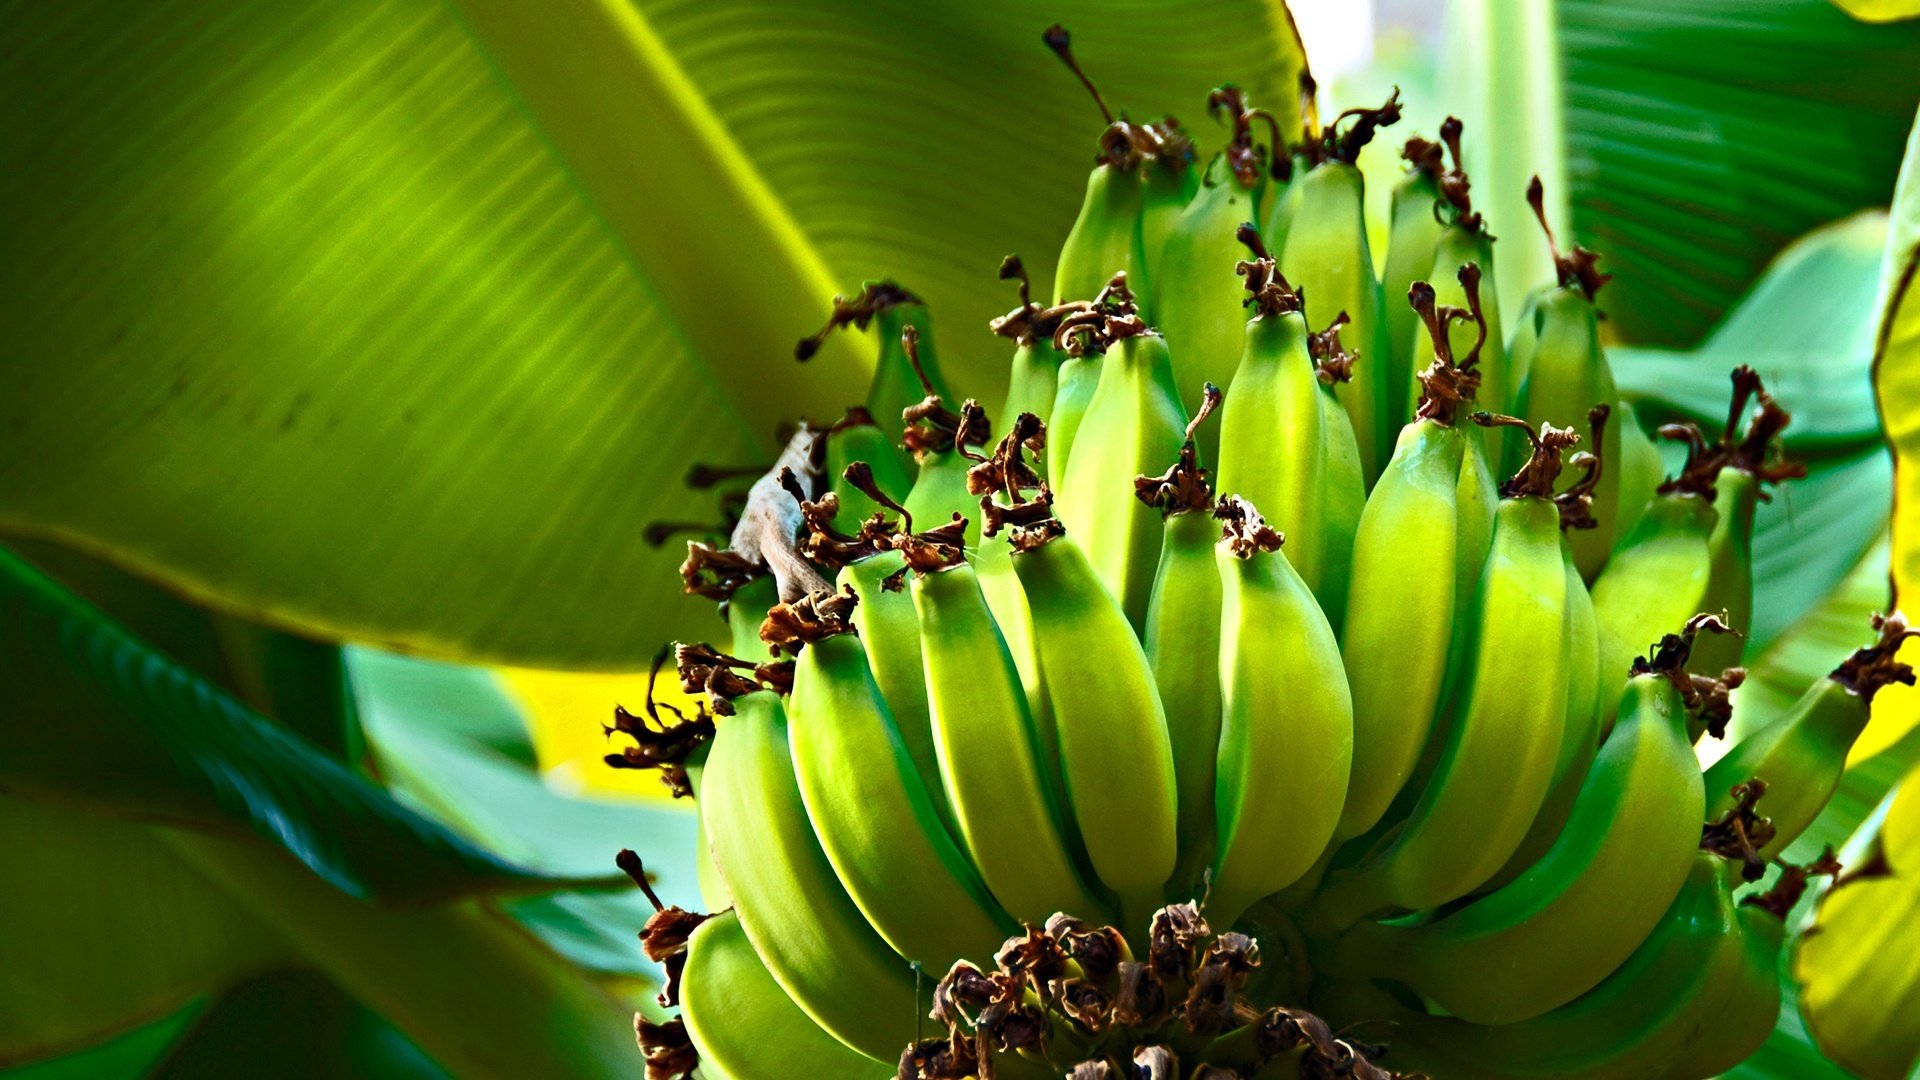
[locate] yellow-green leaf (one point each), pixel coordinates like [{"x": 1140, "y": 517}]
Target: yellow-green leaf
[
  {"x": 1896, "y": 379},
  {"x": 1880, "y": 10},
  {"x": 1860, "y": 990},
  {"x": 104, "y": 929},
  {"x": 398, "y": 321}
]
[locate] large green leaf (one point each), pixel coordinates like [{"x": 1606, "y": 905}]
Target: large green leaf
[
  {"x": 374, "y": 319},
  {"x": 1704, "y": 135},
  {"x": 104, "y": 930},
  {"x": 477, "y": 993},
  {"x": 293, "y": 1024},
  {"x": 297, "y": 681},
  {"x": 96, "y": 717}
]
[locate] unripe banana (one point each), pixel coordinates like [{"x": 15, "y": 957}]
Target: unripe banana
[
  {"x": 1501, "y": 748},
  {"x": 1801, "y": 754},
  {"x": 1580, "y": 738},
  {"x": 1327, "y": 258},
  {"x": 889, "y": 629},
  {"x": 814, "y": 940},
  {"x": 1105, "y": 239},
  {"x": 858, "y": 438},
  {"x": 874, "y": 818},
  {"x": 1641, "y": 470},
  {"x": 1411, "y": 238},
  {"x": 1171, "y": 180},
  {"x": 991, "y": 760},
  {"x": 743, "y": 1024},
  {"x": 1400, "y": 615},
  {"x": 1281, "y": 446},
  {"x": 1182, "y": 637},
  {"x": 1749, "y": 459},
  {"x": 1115, "y": 757},
  {"x": 1463, "y": 241},
  {"x": 1563, "y": 372},
  {"x": 1666, "y": 1005},
  {"x": 1655, "y": 580},
  {"x": 1745, "y": 1012},
  {"x": 1034, "y": 378},
  {"x": 1133, "y": 424},
  {"x": 1197, "y": 294},
  {"x": 1577, "y": 914},
  {"x": 899, "y": 381},
  {"x": 1286, "y": 737},
  {"x": 1079, "y": 378}
]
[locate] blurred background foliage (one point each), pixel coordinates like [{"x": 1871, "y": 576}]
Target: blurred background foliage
[{"x": 394, "y": 323}]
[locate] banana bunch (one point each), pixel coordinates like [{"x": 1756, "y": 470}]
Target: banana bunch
[{"x": 1295, "y": 651}]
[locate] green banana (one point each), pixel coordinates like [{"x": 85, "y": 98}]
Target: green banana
[
  {"x": 1197, "y": 295},
  {"x": 1116, "y": 760},
  {"x": 889, "y": 628},
  {"x": 1281, "y": 446},
  {"x": 1171, "y": 180},
  {"x": 1133, "y": 422},
  {"x": 1463, "y": 243},
  {"x": 1407, "y": 594},
  {"x": 1657, "y": 578},
  {"x": 1557, "y": 930},
  {"x": 899, "y": 381},
  {"x": 741, "y": 1021},
  {"x": 814, "y": 940},
  {"x": 1562, "y": 372},
  {"x": 1286, "y": 733},
  {"x": 1279, "y": 201},
  {"x": 1641, "y": 470},
  {"x": 1412, "y": 234},
  {"x": 1499, "y": 757},
  {"x": 1105, "y": 239},
  {"x": 873, "y": 816},
  {"x": 1801, "y": 754},
  {"x": 857, "y": 438},
  {"x": 1666, "y": 1004},
  {"x": 1079, "y": 378},
  {"x": 1748, "y": 1009},
  {"x": 1182, "y": 638},
  {"x": 1328, "y": 260},
  {"x": 1034, "y": 380},
  {"x": 1749, "y": 459},
  {"x": 992, "y": 763},
  {"x": 1580, "y": 737}
]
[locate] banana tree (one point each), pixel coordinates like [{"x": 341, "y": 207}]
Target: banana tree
[{"x": 532, "y": 278}]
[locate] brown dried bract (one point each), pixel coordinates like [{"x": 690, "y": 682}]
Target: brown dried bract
[
  {"x": 1578, "y": 268},
  {"x": 1243, "y": 532},
  {"x": 1447, "y": 383},
  {"x": 814, "y": 617},
  {"x": 1741, "y": 832},
  {"x": 1576, "y": 503},
  {"x": 1536, "y": 478},
  {"x": 661, "y": 745},
  {"x": 1455, "y": 188},
  {"x": 1245, "y": 158},
  {"x": 1268, "y": 291},
  {"x": 1780, "y": 900},
  {"x": 1332, "y": 144},
  {"x": 1754, "y": 450},
  {"x": 667, "y": 1048},
  {"x": 1030, "y": 322},
  {"x": 856, "y": 311},
  {"x": 1706, "y": 698},
  {"x": 1186, "y": 487},
  {"x": 706, "y": 670},
  {"x": 1877, "y": 665},
  {"x": 664, "y": 938},
  {"x": 1332, "y": 363},
  {"x": 1109, "y": 318}
]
